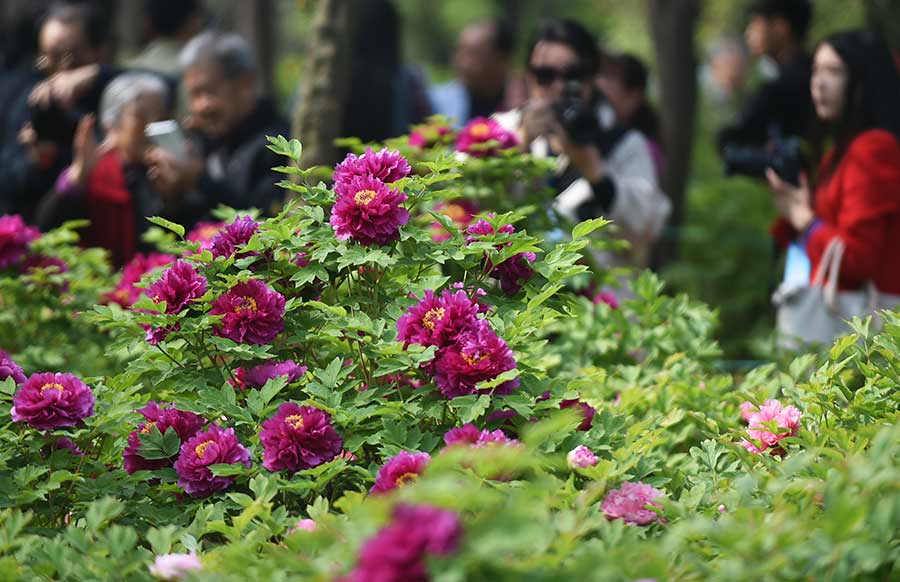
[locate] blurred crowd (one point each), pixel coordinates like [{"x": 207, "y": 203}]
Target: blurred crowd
[{"x": 180, "y": 128}]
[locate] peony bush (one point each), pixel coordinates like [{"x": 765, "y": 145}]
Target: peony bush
[{"x": 337, "y": 393}]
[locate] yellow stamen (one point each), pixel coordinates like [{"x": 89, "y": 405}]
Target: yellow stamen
[
  {"x": 472, "y": 360},
  {"x": 148, "y": 427},
  {"x": 247, "y": 304},
  {"x": 430, "y": 319},
  {"x": 201, "y": 448},
  {"x": 480, "y": 130},
  {"x": 406, "y": 478},
  {"x": 52, "y": 386},
  {"x": 295, "y": 420},
  {"x": 363, "y": 197}
]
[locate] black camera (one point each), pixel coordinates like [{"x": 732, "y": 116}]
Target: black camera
[
  {"x": 784, "y": 155},
  {"x": 53, "y": 123},
  {"x": 576, "y": 116}
]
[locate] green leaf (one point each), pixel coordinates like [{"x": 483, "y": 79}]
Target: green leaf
[
  {"x": 329, "y": 375},
  {"x": 470, "y": 407},
  {"x": 167, "y": 224},
  {"x": 155, "y": 445},
  {"x": 588, "y": 226}
]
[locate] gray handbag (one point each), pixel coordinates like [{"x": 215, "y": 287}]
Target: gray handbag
[{"x": 817, "y": 313}]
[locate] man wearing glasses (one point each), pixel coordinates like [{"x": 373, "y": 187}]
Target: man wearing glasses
[{"x": 602, "y": 170}]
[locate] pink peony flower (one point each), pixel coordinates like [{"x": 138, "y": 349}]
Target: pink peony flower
[
  {"x": 252, "y": 313},
  {"x": 185, "y": 424},
  {"x": 469, "y": 435},
  {"x": 204, "y": 233},
  {"x": 607, "y": 297},
  {"x": 429, "y": 135},
  {"x": 385, "y": 165},
  {"x": 213, "y": 447},
  {"x": 175, "y": 566},
  {"x": 368, "y": 212},
  {"x": 484, "y": 137},
  {"x": 581, "y": 457},
  {"x": 437, "y": 320},
  {"x": 125, "y": 293},
  {"x": 399, "y": 550},
  {"x": 512, "y": 272},
  {"x": 785, "y": 417},
  {"x": 298, "y": 437},
  {"x": 478, "y": 354},
  {"x": 587, "y": 412},
  {"x": 630, "y": 502},
  {"x": 239, "y": 232},
  {"x": 48, "y": 400},
  {"x": 37, "y": 261},
  {"x": 10, "y": 369},
  {"x": 304, "y": 525},
  {"x": 257, "y": 377},
  {"x": 15, "y": 237},
  {"x": 400, "y": 470}
]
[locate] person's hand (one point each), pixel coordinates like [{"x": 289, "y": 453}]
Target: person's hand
[
  {"x": 538, "y": 119},
  {"x": 586, "y": 158},
  {"x": 64, "y": 87},
  {"x": 41, "y": 153},
  {"x": 794, "y": 203},
  {"x": 171, "y": 176},
  {"x": 85, "y": 151}
]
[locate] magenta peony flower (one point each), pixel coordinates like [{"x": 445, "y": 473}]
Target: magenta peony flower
[
  {"x": 302, "y": 259},
  {"x": 437, "y": 320},
  {"x": 400, "y": 470},
  {"x": 630, "y": 501},
  {"x": 213, "y": 447},
  {"x": 204, "y": 233},
  {"x": 37, "y": 261},
  {"x": 484, "y": 137},
  {"x": 50, "y": 400},
  {"x": 67, "y": 444},
  {"x": 178, "y": 286},
  {"x": 398, "y": 551},
  {"x": 581, "y": 457},
  {"x": 479, "y": 354},
  {"x": 368, "y": 211},
  {"x": 175, "y": 566},
  {"x": 785, "y": 417},
  {"x": 607, "y": 297},
  {"x": 252, "y": 313},
  {"x": 10, "y": 369},
  {"x": 235, "y": 234},
  {"x": 384, "y": 165},
  {"x": 257, "y": 376},
  {"x": 429, "y": 135},
  {"x": 125, "y": 293},
  {"x": 298, "y": 437},
  {"x": 185, "y": 424},
  {"x": 15, "y": 236},
  {"x": 587, "y": 412},
  {"x": 513, "y": 271}
]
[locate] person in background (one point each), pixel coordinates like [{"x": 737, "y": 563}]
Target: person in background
[
  {"x": 724, "y": 74},
  {"x": 72, "y": 45},
  {"x": 603, "y": 170},
  {"x": 231, "y": 119},
  {"x": 777, "y": 30},
  {"x": 170, "y": 25},
  {"x": 484, "y": 83},
  {"x": 623, "y": 81},
  {"x": 856, "y": 194},
  {"x": 385, "y": 96},
  {"x": 107, "y": 182}
]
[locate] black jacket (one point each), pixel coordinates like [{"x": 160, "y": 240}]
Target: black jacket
[{"x": 244, "y": 178}]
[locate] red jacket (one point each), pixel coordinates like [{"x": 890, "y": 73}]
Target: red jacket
[
  {"x": 860, "y": 202},
  {"x": 110, "y": 210}
]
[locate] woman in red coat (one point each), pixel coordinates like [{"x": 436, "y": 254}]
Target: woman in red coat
[{"x": 856, "y": 92}]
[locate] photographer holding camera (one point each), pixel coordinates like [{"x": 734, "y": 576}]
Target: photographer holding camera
[
  {"x": 602, "y": 169},
  {"x": 767, "y": 129}
]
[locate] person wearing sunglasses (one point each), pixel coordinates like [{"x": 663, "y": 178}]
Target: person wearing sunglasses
[{"x": 603, "y": 169}]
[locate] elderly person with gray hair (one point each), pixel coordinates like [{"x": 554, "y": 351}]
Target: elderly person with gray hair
[
  {"x": 107, "y": 182},
  {"x": 231, "y": 120}
]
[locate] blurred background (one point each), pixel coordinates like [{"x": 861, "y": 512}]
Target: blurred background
[{"x": 717, "y": 247}]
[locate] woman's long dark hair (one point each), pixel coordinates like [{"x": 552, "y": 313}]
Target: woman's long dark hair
[
  {"x": 632, "y": 73},
  {"x": 872, "y": 99}
]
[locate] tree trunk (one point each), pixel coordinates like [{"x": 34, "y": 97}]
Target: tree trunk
[
  {"x": 672, "y": 25},
  {"x": 317, "y": 118},
  {"x": 256, "y": 21}
]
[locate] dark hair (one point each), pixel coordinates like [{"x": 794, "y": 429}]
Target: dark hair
[
  {"x": 504, "y": 38},
  {"x": 872, "y": 94},
  {"x": 797, "y": 13},
  {"x": 573, "y": 35},
  {"x": 92, "y": 22},
  {"x": 633, "y": 74},
  {"x": 166, "y": 17}
]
